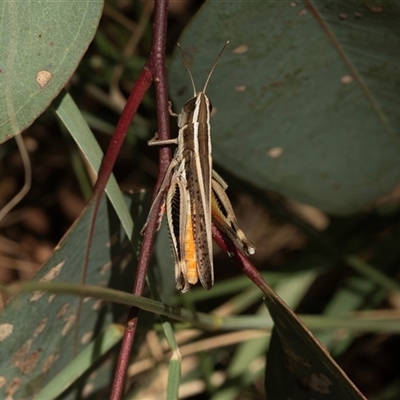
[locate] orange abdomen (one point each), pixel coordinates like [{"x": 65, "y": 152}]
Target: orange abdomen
[{"x": 190, "y": 253}]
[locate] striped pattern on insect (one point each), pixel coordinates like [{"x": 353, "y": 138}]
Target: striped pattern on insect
[{"x": 196, "y": 195}]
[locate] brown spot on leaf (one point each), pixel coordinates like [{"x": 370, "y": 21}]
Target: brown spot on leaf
[
  {"x": 37, "y": 294},
  {"x": 88, "y": 390},
  {"x": 50, "y": 361},
  {"x": 21, "y": 353},
  {"x": 39, "y": 329},
  {"x": 69, "y": 322},
  {"x": 375, "y": 8},
  {"x": 113, "y": 239},
  {"x": 242, "y": 49},
  {"x": 275, "y": 152},
  {"x": 346, "y": 79},
  {"x": 5, "y": 331},
  {"x": 31, "y": 362},
  {"x": 87, "y": 337},
  {"x": 98, "y": 305},
  {"x": 12, "y": 388},
  {"x": 43, "y": 77},
  {"x": 240, "y": 88},
  {"x": 54, "y": 272},
  {"x": 62, "y": 311},
  {"x": 293, "y": 357},
  {"x": 317, "y": 382},
  {"x": 24, "y": 361},
  {"x": 105, "y": 268}
]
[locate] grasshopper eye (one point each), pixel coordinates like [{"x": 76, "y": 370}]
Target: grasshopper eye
[
  {"x": 210, "y": 107},
  {"x": 190, "y": 105}
]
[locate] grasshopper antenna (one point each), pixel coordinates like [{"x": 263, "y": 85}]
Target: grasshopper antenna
[
  {"x": 213, "y": 67},
  {"x": 188, "y": 70},
  {"x": 210, "y": 73}
]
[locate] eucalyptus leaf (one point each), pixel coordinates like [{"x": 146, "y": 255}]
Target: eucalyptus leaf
[
  {"x": 41, "y": 45},
  {"x": 306, "y": 96},
  {"x": 41, "y": 333}
]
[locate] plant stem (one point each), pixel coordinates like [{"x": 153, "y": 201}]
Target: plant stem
[{"x": 156, "y": 65}]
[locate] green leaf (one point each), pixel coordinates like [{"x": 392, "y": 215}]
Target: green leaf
[
  {"x": 42, "y": 43},
  {"x": 306, "y": 96},
  {"x": 297, "y": 366},
  {"x": 41, "y": 333},
  {"x": 71, "y": 117}
]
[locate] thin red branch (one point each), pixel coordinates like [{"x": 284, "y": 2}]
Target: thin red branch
[
  {"x": 139, "y": 90},
  {"x": 240, "y": 259},
  {"x": 156, "y": 65}
]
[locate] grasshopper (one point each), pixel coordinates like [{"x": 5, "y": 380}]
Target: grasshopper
[{"x": 196, "y": 195}]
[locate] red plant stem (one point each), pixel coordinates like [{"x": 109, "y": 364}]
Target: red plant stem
[
  {"x": 135, "y": 98},
  {"x": 140, "y": 88},
  {"x": 156, "y": 64},
  {"x": 241, "y": 260}
]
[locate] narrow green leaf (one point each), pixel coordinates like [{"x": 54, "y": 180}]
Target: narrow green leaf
[
  {"x": 372, "y": 273},
  {"x": 174, "y": 376},
  {"x": 174, "y": 368},
  {"x": 76, "y": 125}
]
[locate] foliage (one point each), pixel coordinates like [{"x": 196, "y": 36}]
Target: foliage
[{"x": 305, "y": 101}]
